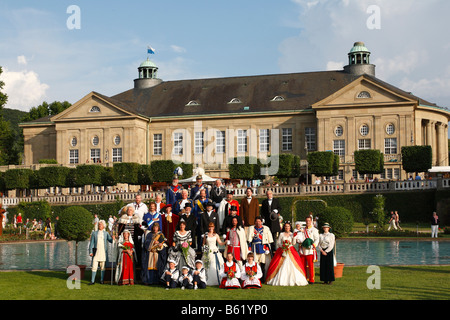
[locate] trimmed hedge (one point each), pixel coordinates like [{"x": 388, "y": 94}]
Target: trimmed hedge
[
  {"x": 17, "y": 178},
  {"x": 52, "y": 177},
  {"x": 323, "y": 163},
  {"x": 369, "y": 161},
  {"x": 417, "y": 158}
]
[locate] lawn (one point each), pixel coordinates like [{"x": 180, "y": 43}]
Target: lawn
[{"x": 396, "y": 283}]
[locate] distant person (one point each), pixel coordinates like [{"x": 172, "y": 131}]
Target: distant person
[
  {"x": 392, "y": 223},
  {"x": 397, "y": 220},
  {"x": 434, "y": 225}
]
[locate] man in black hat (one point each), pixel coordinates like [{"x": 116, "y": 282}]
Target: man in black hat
[
  {"x": 210, "y": 215},
  {"x": 195, "y": 190},
  {"x": 227, "y": 223},
  {"x": 270, "y": 211}
]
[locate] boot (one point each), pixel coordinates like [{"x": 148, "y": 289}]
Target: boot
[
  {"x": 94, "y": 273},
  {"x": 102, "y": 276}
]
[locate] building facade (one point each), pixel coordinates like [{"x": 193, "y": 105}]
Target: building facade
[{"x": 209, "y": 121}]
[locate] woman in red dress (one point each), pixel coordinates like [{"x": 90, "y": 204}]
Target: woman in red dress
[{"x": 125, "y": 263}]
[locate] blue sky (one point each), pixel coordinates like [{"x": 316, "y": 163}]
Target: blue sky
[{"x": 44, "y": 60}]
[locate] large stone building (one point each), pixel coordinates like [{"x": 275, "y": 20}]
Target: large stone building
[{"x": 208, "y": 121}]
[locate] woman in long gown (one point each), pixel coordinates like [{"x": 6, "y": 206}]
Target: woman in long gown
[
  {"x": 181, "y": 251},
  {"x": 154, "y": 255},
  {"x": 286, "y": 268},
  {"x": 327, "y": 242},
  {"x": 126, "y": 258},
  {"x": 212, "y": 259}
]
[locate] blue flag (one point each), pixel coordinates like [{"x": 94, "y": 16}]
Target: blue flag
[{"x": 150, "y": 50}]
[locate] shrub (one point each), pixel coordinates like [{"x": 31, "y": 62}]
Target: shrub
[
  {"x": 17, "y": 178},
  {"x": 323, "y": 163},
  {"x": 48, "y": 161},
  {"x": 379, "y": 213},
  {"x": 340, "y": 219},
  {"x": 35, "y": 210},
  {"x": 145, "y": 174},
  {"x": 126, "y": 172},
  {"x": 52, "y": 177},
  {"x": 87, "y": 175},
  {"x": 108, "y": 178},
  {"x": 162, "y": 170},
  {"x": 417, "y": 158},
  {"x": 75, "y": 224},
  {"x": 246, "y": 168},
  {"x": 369, "y": 161}
]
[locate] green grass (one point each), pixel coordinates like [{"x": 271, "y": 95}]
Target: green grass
[{"x": 397, "y": 283}]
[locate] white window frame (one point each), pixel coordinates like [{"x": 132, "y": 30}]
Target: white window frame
[
  {"x": 199, "y": 142},
  {"x": 220, "y": 141},
  {"x": 157, "y": 144},
  {"x": 242, "y": 141},
  {"x": 117, "y": 140},
  {"x": 390, "y": 129},
  {"x": 286, "y": 139},
  {"x": 364, "y": 144},
  {"x": 364, "y": 130},
  {"x": 339, "y": 131},
  {"x": 339, "y": 147},
  {"x": 310, "y": 134},
  {"x": 95, "y": 141},
  {"x": 264, "y": 140},
  {"x": 390, "y": 146},
  {"x": 74, "y": 156},
  {"x": 178, "y": 143},
  {"x": 117, "y": 155},
  {"x": 95, "y": 155}
]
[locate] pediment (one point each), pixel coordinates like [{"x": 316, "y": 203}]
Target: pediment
[
  {"x": 91, "y": 107},
  {"x": 364, "y": 92}
]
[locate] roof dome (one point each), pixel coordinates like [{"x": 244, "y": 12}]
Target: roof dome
[
  {"x": 359, "y": 47},
  {"x": 147, "y": 64}
]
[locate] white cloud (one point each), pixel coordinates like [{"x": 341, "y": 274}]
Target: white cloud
[
  {"x": 22, "y": 60},
  {"x": 332, "y": 65},
  {"x": 178, "y": 49},
  {"x": 24, "y": 89}
]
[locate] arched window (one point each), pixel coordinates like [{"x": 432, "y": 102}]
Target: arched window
[
  {"x": 193, "y": 103},
  {"x": 95, "y": 109},
  {"x": 235, "y": 100},
  {"x": 278, "y": 98},
  {"x": 364, "y": 95}
]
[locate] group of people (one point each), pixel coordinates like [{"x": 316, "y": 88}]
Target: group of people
[{"x": 176, "y": 243}]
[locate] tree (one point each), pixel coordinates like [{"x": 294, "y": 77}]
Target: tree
[
  {"x": 246, "y": 168},
  {"x": 417, "y": 158},
  {"x": 17, "y": 178},
  {"x": 369, "y": 161},
  {"x": 45, "y": 109},
  {"x": 323, "y": 163},
  {"x": 52, "y": 177},
  {"x": 125, "y": 172},
  {"x": 75, "y": 224},
  {"x": 340, "y": 219}
]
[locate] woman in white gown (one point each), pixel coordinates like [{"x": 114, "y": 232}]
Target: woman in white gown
[
  {"x": 286, "y": 268},
  {"x": 212, "y": 259}
]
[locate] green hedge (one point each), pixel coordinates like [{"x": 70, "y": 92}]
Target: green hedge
[
  {"x": 52, "y": 177},
  {"x": 162, "y": 170},
  {"x": 323, "y": 163},
  {"x": 17, "y": 178},
  {"x": 417, "y": 158},
  {"x": 369, "y": 161}
]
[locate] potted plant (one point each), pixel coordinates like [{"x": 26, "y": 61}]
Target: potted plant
[{"x": 75, "y": 224}]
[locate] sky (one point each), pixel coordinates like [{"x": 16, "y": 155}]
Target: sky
[{"x": 50, "y": 52}]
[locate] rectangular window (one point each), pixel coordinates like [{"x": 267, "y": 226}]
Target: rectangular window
[
  {"x": 310, "y": 136},
  {"x": 178, "y": 143},
  {"x": 242, "y": 141},
  {"x": 220, "y": 141},
  {"x": 340, "y": 175},
  {"x": 264, "y": 140},
  {"x": 157, "y": 144},
  {"x": 73, "y": 156},
  {"x": 95, "y": 155},
  {"x": 355, "y": 174},
  {"x": 117, "y": 154},
  {"x": 339, "y": 147},
  {"x": 198, "y": 143},
  {"x": 364, "y": 144},
  {"x": 390, "y": 146},
  {"x": 396, "y": 173},
  {"x": 388, "y": 173},
  {"x": 286, "y": 139},
  {"x": 383, "y": 174}
]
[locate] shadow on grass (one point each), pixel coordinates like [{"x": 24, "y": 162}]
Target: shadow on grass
[
  {"x": 430, "y": 293},
  {"x": 417, "y": 269}
]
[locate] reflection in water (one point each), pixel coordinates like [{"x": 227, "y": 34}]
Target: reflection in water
[{"x": 60, "y": 254}]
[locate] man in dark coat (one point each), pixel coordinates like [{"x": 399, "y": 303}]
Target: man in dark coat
[
  {"x": 218, "y": 192},
  {"x": 270, "y": 211},
  {"x": 189, "y": 218},
  {"x": 210, "y": 215}
]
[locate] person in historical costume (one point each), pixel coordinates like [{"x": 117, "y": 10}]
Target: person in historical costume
[
  {"x": 251, "y": 273},
  {"x": 181, "y": 251},
  {"x": 199, "y": 275},
  {"x": 140, "y": 208},
  {"x": 152, "y": 216},
  {"x": 218, "y": 193},
  {"x": 230, "y": 274},
  {"x": 327, "y": 242},
  {"x": 154, "y": 255},
  {"x": 126, "y": 259},
  {"x": 186, "y": 280},
  {"x": 98, "y": 250},
  {"x": 270, "y": 211},
  {"x": 308, "y": 241},
  {"x": 131, "y": 222},
  {"x": 189, "y": 219},
  {"x": 210, "y": 215},
  {"x": 173, "y": 193},
  {"x": 260, "y": 238},
  {"x": 212, "y": 259},
  {"x": 195, "y": 190},
  {"x": 199, "y": 210},
  {"x": 236, "y": 242},
  {"x": 286, "y": 268},
  {"x": 249, "y": 208},
  {"x": 178, "y": 207},
  {"x": 224, "y": 207},
  {"x": 169, "y": 222},
  {"x": 159, "y": 204},
  {"x": 170, "y": 275},
  {"x": 227, "y": 223}
]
